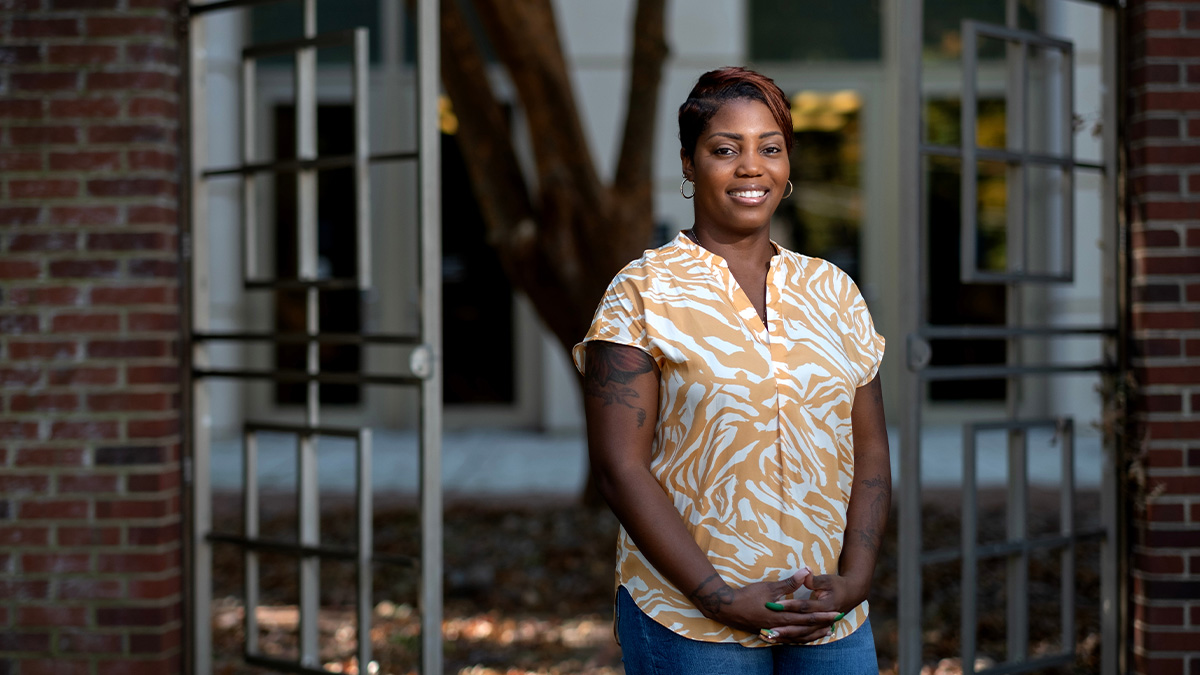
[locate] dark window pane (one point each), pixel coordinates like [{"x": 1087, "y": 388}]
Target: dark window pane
[
  {"x": 943, "y": 25},
  {"x": 952, "y": 302},
  {"x": 274, "y": 22},
  {"x": 477, "y": 299},
  {"x": 786, "y": 30},
  {"x": 337, "y": 254}
]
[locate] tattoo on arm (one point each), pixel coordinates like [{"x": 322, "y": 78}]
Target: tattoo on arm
[
  {"x": 712, "y": 601},
  {"x": 610, "y": 369},
  {"x": 872, "y": 535}
]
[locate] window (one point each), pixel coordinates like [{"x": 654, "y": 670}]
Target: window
[
  {"x": 477, "y": 299},
  {"x": 785, "y": 30},
  {"x": 337, "y": 256},
  {"x": 824, "y": 214},
  {"x": 275, "y": 22}
]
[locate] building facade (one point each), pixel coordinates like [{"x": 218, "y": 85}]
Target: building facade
[{"x": 95, "y": 162}]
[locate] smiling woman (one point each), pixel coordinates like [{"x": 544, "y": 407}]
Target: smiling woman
[
  {"x": 735, "y": 424},
  {"x": 740, "y": 169}
]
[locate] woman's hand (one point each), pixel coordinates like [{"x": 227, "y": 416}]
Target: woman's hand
[
  {"x": 746, "y": 608},
  {"x": 832, "y": 596}
]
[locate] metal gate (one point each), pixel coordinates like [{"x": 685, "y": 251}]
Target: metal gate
[
  {"x": 273, "y": 376},
  {"x": 1019, "y": 408}
]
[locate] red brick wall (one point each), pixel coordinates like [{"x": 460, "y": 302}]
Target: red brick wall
[
  {"x": 90, "y": 576},
  {"x": 1163, "y": 141}
]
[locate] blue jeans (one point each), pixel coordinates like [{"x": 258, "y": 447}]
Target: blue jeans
[{"x": 649, "y": 648}]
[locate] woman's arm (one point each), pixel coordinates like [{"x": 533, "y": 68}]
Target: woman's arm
[
  {"x": 866, "y": 514},
  {"x": 621, "y": 405},
  {"x": 870, "y": 496}
]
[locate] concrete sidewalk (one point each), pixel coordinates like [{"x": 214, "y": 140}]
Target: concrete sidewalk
[{"x": 514, "y": 464}]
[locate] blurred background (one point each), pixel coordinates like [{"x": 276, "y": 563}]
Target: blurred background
[
  {"x": 513, "y": 433},
  {"x": 290, "y": 287}
]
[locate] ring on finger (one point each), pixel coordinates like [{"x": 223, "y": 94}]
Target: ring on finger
[{"x": 768, "y": 634}]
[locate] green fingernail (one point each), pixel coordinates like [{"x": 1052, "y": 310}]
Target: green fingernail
[
  {"x": 775, "y": 606},
  {"x": 839, "y": 617}
]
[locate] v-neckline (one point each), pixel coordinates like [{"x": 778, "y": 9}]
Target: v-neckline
[{"x": 751, "y": 319}]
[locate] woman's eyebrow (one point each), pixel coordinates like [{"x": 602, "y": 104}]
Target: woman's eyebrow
[{"x": 738, "y": 137}]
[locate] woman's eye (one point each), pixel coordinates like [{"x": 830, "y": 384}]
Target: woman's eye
[
  {"x": 771, "y": 150},
  {"x": 723, "y": 151}
]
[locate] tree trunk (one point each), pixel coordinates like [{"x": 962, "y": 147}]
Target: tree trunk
[{"x": 562, "y": 242}]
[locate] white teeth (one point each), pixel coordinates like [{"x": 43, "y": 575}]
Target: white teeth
[{"x": 752, "y": 194}]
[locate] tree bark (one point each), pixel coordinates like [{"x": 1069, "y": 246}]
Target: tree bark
[
  {"x": 634, "y": 180},
  {"x": 562, "y": 242}
]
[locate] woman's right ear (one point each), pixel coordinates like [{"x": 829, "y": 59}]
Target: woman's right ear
[{"x": 687, "y": 164}]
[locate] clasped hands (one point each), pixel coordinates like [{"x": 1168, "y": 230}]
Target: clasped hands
[{"x": 791, "y": 621}]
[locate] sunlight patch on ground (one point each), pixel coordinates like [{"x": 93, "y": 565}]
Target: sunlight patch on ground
[{"x": 536, "y": 645}]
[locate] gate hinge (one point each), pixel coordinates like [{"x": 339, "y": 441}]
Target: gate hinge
[
  {"x": 185, "y": 245},
  {"x": 920, "y": 353},
  {"x": 420, "y": 362}
]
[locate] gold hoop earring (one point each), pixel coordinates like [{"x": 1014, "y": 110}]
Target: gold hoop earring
[
  {"x": 791, "y": 189},
  {"x": 685, "y": 182}
]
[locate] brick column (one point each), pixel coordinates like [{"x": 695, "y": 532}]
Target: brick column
[
  {"x": 90, "y": 533},
  {"x": 1163, "y": 141}
]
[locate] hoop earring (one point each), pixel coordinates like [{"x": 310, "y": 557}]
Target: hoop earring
[
  {"x": 791, "y": 189},
  {"x": 685, "y": 182}
]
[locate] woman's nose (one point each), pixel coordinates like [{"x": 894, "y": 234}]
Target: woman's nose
[{"x": 750, "y": 164}]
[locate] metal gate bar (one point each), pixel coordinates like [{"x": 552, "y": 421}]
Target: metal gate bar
[
  {"x": 906, "y": 39},
  {"x": 294, "y": 165},
  {"x": 1019, "y": 546},
  {"x": 424, "y": 360},
  {"x": 1018, "y": 42},
  {"x": 429, "y": 240}
]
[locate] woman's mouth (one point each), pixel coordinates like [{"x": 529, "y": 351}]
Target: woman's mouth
[{"x": 749, "y": 196}]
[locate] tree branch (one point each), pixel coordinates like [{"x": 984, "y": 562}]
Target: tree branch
[
  {"x": 633, "y": 184},
  {"x": 499, "y": 184},
  {"x": 483, "y": 130},
  {"x": 525, "y": 37},
  {"x": 562, "y": 246},
  {"x": 635, "y": 166},
  {"x": 572, "y": 203}
]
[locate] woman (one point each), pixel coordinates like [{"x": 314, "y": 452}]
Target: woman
[{"x": 735, "y": 422}]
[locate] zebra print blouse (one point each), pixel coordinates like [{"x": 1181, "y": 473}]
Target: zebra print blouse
[{"x": 753, "y": 441}]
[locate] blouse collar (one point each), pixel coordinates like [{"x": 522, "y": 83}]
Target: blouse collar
[{"x": 683, "y": 241}]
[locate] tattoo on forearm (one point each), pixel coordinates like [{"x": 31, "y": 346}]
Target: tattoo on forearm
[
  {"x": 712, "y": 601},
  {"x": 869, "y": 539},
  {"x": 871, "y": 534},
  {"x": 610, "y": 369}
]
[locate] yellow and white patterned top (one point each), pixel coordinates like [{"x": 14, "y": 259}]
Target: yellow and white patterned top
[{"x": 753, "y": 442}]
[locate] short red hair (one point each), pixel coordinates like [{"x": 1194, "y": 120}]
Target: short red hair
[{"x": 732, "y": 83}]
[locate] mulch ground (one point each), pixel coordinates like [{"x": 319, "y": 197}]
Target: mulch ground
[{"x": 528, "y": 589}]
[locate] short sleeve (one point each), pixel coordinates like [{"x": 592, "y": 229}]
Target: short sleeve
[
  {"x": 866, "y": 343},
  {"x": 620, "y": 318}
]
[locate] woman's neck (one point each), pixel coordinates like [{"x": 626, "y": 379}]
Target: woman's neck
[{"x": 750, "y": 250}]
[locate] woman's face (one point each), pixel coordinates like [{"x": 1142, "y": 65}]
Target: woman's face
[{"x": 740, "y": 168}]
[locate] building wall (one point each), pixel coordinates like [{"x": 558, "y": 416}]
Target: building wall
[
  {"x": 1163, "y": 144},
  {"x": 90, "y": 576}
]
